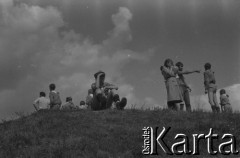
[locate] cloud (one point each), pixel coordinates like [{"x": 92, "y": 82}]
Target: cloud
[
  {"x": 201, "y": 102},
  {"x": 36, "y": 51}
]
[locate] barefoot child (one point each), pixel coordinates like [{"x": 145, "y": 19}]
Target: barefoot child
[
  {"x": 211, "y": 87},
  {"x": 55, "y": 100}
]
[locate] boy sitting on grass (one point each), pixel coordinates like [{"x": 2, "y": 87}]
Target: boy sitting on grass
[
  {"x": 104, "y": 95},
  {"x": 42, "y": 102},
  {"x": 69, "y": 105},
  {"x": 83, "y": 105}
]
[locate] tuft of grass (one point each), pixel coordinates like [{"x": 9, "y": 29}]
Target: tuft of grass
[{"x": 108, "y": 133}]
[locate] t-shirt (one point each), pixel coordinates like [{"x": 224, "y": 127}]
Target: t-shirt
[
  {"x": 209, "y": 79},
  {"x": 41, "y": 103}
]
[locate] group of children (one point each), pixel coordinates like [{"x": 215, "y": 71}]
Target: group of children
[
  {"x": 178, "y": 90},
  {"x": 101, "y": 96}
]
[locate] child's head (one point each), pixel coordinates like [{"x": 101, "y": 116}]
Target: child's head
[
  {"x": 42, "y": 94},
  {"x": 168, "y": 63},
  {"x": 82, "y": 103},
  {"x": 222, "y": 91},
  {"x": 68, "y": 99},
  {"x": 179, "y": 65},
  {"x": 52, "y": 87},
  {"x": 207, "y": 66}
]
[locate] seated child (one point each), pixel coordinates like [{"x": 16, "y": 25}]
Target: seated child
[
  {"x": 224, "y": 101},
  {"x": 42, "y": 102},
  {"x": 104, "y": 95},
  {"x": 69, "y": 105},
  {"x": 55, "y": 100},
  {"x": 83, "y": 105}
]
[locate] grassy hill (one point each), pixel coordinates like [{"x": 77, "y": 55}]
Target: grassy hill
[{"x": 110, "y": 133}]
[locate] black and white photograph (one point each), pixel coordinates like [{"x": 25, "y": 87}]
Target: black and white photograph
[{"x": 119, "y": 78}]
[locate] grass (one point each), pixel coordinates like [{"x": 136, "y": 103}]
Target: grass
[{"x": 103, "y": 134}]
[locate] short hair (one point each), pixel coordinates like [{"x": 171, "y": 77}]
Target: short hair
[
  {"x": 222, "y": 91},
  {"x": 99, "y": 72},
  {"x": 52, "y": 86},
  {"x": 42, "y": 94},
  {"x": 178, "y": 64},
  {"x": 167, "y": 61},
  {"x": 68, "y": 99},
  {"x": 82, "y": 102},
  {"x": 207, "y": 66}
]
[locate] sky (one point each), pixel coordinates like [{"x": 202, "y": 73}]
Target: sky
[{"x": 66, "y": 41}]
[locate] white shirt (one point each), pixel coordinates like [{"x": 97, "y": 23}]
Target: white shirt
[{"x": 42, "y": 103}]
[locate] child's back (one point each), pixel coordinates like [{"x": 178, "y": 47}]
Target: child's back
[
  {"x": 55, "y": 98},
  {"x": 42, "y": 102}
]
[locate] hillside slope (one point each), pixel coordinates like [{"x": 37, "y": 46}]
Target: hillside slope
[{"x": 109, "y": 133}]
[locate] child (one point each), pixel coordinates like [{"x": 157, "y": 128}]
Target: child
[
  {"x": 224, "y": 101},
  {"x": 83, "y": 105},
  {"x": 69, "y": 105},
  {"x": 55, "y": 100},
  {"x": 42, "y": 102},
  {"x": 184, "y": 88},
  {"x": 211, "y": 87},
  {"x": 104, "y": 95},
  {"x": 169, "y": 73}
]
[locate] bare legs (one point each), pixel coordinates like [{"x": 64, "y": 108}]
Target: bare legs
[{"x": 213, "y": 99}]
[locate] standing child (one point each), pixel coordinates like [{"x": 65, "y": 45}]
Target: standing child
[
  {"x": 54, "y": 96},
  {"x": 211, "y": 87},
  {"x": 224, "y": 101},
  {"x": 42, "y": 102},
  {"x": 169, "y": 72},
  {"x": 184, "y": 88}
]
